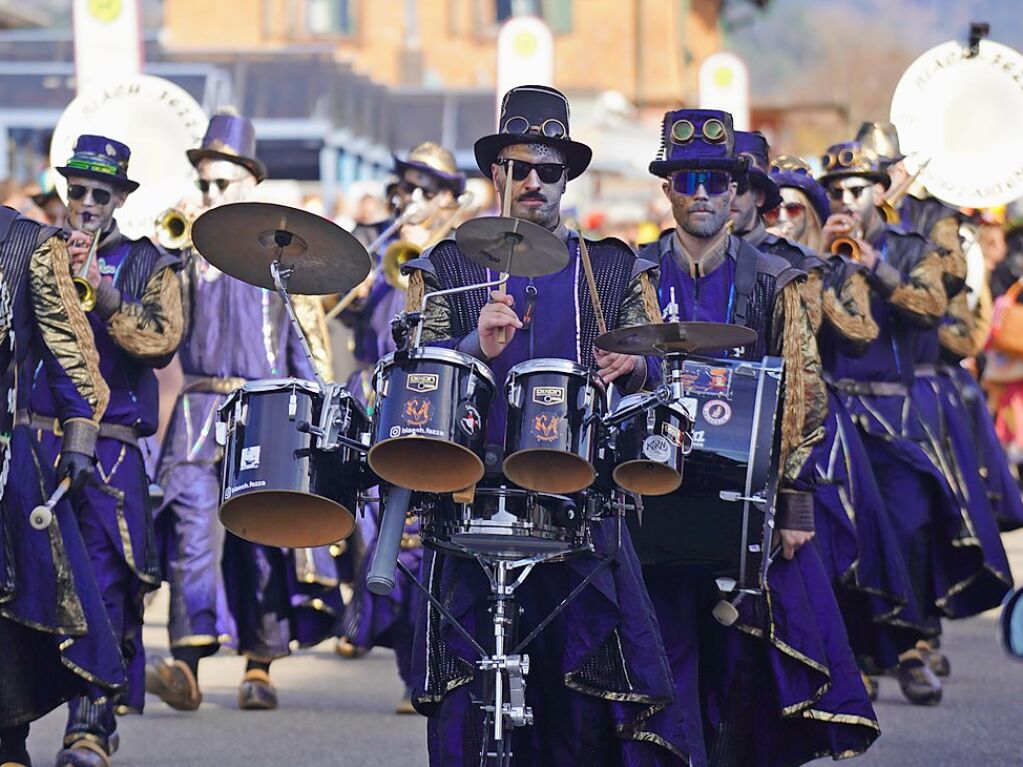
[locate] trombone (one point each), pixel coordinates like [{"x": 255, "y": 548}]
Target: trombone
[{"x": 87, "y": 293}]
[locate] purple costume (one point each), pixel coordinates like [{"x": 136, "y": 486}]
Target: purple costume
[
  {"x": 598, "y": 672},
  {"x": 57, "y": 642},
  {"x": 258, "y": 598},
  {"x": 781, "y": 686}
]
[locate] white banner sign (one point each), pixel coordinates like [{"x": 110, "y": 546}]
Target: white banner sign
[
  {"x": 108, "y": 42},
  {"x": 724, "y": 85},
  {"x": 525, "y": 54}
]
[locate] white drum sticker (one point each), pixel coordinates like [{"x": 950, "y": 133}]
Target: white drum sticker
[
  {"x": 717, "y": 412},
  {"x": 657, "y": 448},
  {"x": 250, "y": 458}
]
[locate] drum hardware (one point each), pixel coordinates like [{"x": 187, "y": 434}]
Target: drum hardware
[
  {"x": 87, "y": 293},
  {"x": 726, "y": 611},
  {"x": 42, "y": 516},
  {"x": 660, "y": 339},
  {"x": 382, "y": 578}
]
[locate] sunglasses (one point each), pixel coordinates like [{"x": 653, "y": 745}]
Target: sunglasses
[
  {"x": 548, "y": 172},
  {"x": 713, "y": 181},
  {"x": 409, "y": 188},
  {"x": 220, "y": 183},
  {"x": 550, "y": 128},
  {"x": 837, "y": 193},
  {"x": 78, "y": 192},
  {"x": 792, "y": 210}
]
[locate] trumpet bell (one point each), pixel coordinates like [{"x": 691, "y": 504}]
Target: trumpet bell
[
  {"x": 86, "y": 293},
  {"x": 397, "y": 255},
  {"x": 846, "y": 246},
  {"x": 174, "y": 229}
]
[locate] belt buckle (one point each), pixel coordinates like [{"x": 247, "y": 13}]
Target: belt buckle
[{"x": 58, "y": 430}]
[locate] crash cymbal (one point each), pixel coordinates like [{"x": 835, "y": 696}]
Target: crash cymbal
[
  {"x": 511, "y": 245},
  {"x": 241, "y": 239},
  {"x": 668, "y": 337}
]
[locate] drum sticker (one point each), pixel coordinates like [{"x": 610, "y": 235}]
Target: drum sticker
[
  {"x": 417, "y": 412},
  {"x": 470, "y": 422},
  {"x": 708, "y": 379},
  {"x": 549, "y": 395},
  {"x": 717, "y": 412},
  {"x": 250, "y": 458},
  {"x": 422, "y": 382},
  {"x": 672, "y": 433},
  {"x": 545, "y": 427},
  {"x": 657, "y": 448}
]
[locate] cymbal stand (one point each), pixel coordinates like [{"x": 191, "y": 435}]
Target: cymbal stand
[{"x": 413, "y": 321}]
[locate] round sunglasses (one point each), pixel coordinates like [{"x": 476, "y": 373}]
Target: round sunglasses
[{"x": 792, "y": 210}]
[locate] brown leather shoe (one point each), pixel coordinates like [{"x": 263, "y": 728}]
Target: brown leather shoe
[
  {"x": 935, "y": 658},
  {"x": 84, "y": 752},
  {"x": 173, "y": 683},
  {"x": 918, "y": 683},
  {"x": 256, "y": 692}
]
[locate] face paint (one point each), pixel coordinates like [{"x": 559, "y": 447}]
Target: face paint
[
  {"x": 533, "y": 199},
  {"x": 223, "y": 181}
]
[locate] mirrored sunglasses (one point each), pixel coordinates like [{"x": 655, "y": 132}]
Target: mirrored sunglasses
[{"x": 713, "y": 181}]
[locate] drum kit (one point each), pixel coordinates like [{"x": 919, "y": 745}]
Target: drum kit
[{"x": 300, "y": 457}]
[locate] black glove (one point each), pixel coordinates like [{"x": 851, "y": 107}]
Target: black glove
[{"x": 77, "y": 466}]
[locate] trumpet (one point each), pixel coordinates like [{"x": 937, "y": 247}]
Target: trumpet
[
  {"x": 87, "y": 293},
  {"x": 847, "y": 245},
  {"x": 174, "y": 229}
]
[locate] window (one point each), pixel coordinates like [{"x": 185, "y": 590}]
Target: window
[
  {"x": 557, "y": 13},
  {"x": 329, "y": 18}
]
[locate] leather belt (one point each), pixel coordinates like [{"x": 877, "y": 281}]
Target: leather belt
[
  {"x": 925, "y": 370},
  {"x": 212, "y": 385},
  {"x": 127, "y": 434},
  {"x": 874, "y": 388}
]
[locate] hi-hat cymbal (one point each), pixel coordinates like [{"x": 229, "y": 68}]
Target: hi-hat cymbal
[
  {"x": 242, "y": 238},
  {"x": 668, "y": 337},
  {"x": 511, "y": 245}
]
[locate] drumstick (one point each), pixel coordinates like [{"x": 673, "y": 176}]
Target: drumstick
[
  {"x": 502, "y": 335},
  {"x": 591, "y": 283}
]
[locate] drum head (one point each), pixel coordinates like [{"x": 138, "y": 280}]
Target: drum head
[
  {"x": 647, "y": 477},
  {"x": 287, "y": 518},
  {"x": 426, "y": 465},
  {"x": 549, "y": 471}
]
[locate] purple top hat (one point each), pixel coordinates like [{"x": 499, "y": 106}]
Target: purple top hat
[
  {"x": 101, "y": 158},
  {"x": 753, "y": 146},
  {"x": 435, "y": 161},
  {"x": 697, "y": 139},
  {"x": 533, "y": 114},
  {"x": 792, "y": 172},
  {"x": 230, "y": 137},
  {"x": 852, "y": 159}
]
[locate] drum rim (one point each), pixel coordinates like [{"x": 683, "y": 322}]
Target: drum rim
[
  {"x": 447, "y": 355},
  {"x": 351, "y": 512},
  {"x": 550, "y": 365},
  {"x": 277, "y": 384}
]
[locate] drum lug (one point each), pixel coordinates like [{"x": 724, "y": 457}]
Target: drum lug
[
  {"x": 220, "y": 433},
  {"x": 734, "y": 496},
  {"x": 292, "y": 406},
  {"x": 514, "y": 395},
  {"x": 470, "y": 385}
]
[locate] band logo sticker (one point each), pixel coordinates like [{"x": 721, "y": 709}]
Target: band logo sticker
[
  {"x": 672, "y": 433},
  {"x": 422, "y": 382},
  {"x": 657, "y": 448},
  {"x": 545, "y": 427},
  {"x": 250, "y": 458},
  {"x": 470, "y": 422},
  {"x": 417, "y": 411},
  {"x": 717, "y": 412},
  {"x": 549, "y": 395}
]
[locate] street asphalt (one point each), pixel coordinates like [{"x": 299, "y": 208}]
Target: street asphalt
[{"x": 338, "y": 713}]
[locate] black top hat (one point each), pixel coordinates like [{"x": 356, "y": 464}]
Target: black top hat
[{"x": 533, "y": 114}]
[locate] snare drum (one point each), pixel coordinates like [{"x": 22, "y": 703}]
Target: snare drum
[
  {"x": 554, "y": 411},
  {"x": 507, "y": 523},
  {"x": 278, "y": 489},
  {"x": 651, "y": 444},
  {"x": 429, "y": 424}
]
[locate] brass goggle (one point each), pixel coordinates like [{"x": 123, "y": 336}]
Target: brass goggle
[
  {"x": 846, "y": 158},
  {"x": 551, "y": 128},
  {"x": 683, "y": 131}
]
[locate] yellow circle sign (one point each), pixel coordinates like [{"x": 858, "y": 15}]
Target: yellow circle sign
[
  {"x": 524, "y": 44},
  {"x": 105, "y": 10},
  {"x": 723, "y": 77}
]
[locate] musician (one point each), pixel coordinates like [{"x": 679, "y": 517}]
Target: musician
[
  {"x": 56, "y": 639},
  {"x": 598, "y": 669},
  {"x": 859, "y": 550},
  {"x": 236, "y": 333},
  {"x": 754, "y": 692},
  {"x": 429, "y": 175},
  {"x": 909, "y": 295},
  {"x": 137, "y": 322}
]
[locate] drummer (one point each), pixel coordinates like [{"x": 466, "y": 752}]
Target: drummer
[
  {"x": 586, "y": 711},
  {"x": 755, "y": 688},
  {"x": 236, "y": 333}
]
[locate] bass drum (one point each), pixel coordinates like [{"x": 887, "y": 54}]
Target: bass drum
[{"x": 278, "y": 489}]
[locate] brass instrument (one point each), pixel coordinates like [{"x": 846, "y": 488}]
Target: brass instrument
[
  {"x": 846, "y": 246},
  {"x": 889, "y": 206},
  {"x": 87, "y": 293},
  {"x": 174, "y": 229}
]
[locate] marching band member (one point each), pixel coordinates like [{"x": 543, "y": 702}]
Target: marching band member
[
  {"x": 236, "y": 333},
  {"x": 908, "y": 278},
  {"x": 137, "y": 322},
  {"x": 587, "y": 710},
  {"x": 780, "y": 687},
  {"x": 57, "y": 640},
  {"x": 389, "y": 621}
]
